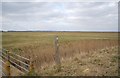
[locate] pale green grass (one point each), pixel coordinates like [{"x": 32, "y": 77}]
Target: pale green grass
[{"x": 19, "y": 39}]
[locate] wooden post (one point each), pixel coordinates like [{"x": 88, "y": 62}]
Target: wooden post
[
  {"x": 7, "y": 65},
  {"x": 31, "y": 68},
  {"x": 57, "y": 54}
]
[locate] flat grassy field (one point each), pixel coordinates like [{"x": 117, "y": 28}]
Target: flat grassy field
[
  {"x": 19, "y": 39},
  {"x": 82, "y": 47}
]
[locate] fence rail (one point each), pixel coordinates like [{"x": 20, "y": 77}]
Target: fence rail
[{"x": 9, "y": 59}]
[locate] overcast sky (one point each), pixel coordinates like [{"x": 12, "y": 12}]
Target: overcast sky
[{"x": 60, "y": 16}]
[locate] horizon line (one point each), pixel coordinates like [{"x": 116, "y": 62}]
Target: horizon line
[{"x": 51, "y": 31}]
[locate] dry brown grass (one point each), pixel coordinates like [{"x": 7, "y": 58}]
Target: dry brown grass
[
  {"x": 103, "y": 62},
  {"x": 71, "y": 44},
  {"x": 44, "y": 55}
]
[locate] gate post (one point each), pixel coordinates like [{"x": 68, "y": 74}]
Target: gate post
[
  {"x": 7, "y": 65},
  {"x": 31, "y": 68}
]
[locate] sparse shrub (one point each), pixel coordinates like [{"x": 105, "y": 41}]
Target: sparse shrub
[
  {"x": 31, "y": 73},
  {"x": 114, "y": 59},
  {"x": 76, "y": 59}
]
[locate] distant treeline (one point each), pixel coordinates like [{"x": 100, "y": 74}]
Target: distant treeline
[{"x": 62, "y": 31}]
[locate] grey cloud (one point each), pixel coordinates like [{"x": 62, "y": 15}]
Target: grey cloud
[
  {"x": 58, "y": 0},
  {"x": 60, "y": 16}
]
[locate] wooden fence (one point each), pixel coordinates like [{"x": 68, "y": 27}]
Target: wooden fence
[
  {"x": 8, "y": 59},
  {"x": 23, "y": 64}
]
